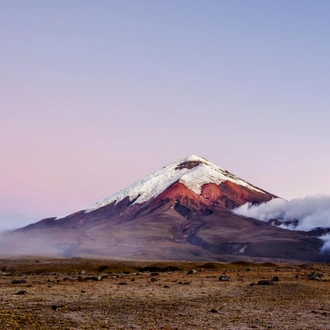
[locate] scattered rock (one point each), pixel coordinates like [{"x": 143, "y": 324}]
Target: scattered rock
[
  {"x": 224, "y": 278},
  {"x": 58, "y": 307},
  {"x": 275, "y": 279},
  {"x": 315, "y": 276},
  {"x": 90, "y": 278},
  {"x": 122, "y": 283},
  {"x": 192, "y": 272},
  {"x": 265, "y": 282},
  {"x": 21, "y": 292},
  {"x": 166, "y": 287},
  {"x": 82, "y": 272},
  {"x": 154, "y": 279},
  {"x": 18, "y": 281},
  {"x": 213, "y": 310}
]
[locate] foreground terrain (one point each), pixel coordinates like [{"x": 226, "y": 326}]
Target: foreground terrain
[{"x": 101, "y": 294}]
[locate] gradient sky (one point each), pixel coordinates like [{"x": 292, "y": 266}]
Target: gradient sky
[{"x": 95, "y": 95}]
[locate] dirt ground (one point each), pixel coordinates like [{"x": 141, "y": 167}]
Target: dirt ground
[{"x": 100, "y": 294}]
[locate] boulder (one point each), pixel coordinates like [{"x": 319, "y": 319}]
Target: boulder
[
  {"x": 315, "y": 276},
  {"x": 224, "y": 278}
]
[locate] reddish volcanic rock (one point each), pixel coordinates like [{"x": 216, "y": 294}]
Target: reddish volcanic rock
[
  {"x": 177, "y": 190},
  {"x": 210, "y": 193},
  {"x": 241, "y": 195},
  {"x": 227, "y": 195}
]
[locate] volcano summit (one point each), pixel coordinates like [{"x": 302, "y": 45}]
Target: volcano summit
[{"x": 181, "y": 212}]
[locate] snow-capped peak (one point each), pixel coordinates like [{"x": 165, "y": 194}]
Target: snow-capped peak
[{"x": 192, "y": 171}]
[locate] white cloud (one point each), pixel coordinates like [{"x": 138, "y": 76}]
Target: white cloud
[{"x": 308, "y": 212}]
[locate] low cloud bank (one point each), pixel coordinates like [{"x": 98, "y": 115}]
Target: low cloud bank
[
  {"x": 23, "y": 244},
  {"x": 298, "y": 214},
  {"x": 311, "y": 211}
]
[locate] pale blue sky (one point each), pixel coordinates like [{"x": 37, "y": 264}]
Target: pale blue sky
[{"x": 95, "y": 95}]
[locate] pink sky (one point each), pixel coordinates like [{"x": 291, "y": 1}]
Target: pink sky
[{"x": 93, "y": 98}]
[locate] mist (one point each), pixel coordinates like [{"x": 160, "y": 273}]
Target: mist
[
  {"x": 297, "y": 214},
  {"x": 22, "y": 244}
]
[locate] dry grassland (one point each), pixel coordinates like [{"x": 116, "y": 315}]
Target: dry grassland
[{"x": 97, "y": 294}]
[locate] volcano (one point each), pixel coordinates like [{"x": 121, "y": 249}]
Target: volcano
[{"x": 181, "y": 212}]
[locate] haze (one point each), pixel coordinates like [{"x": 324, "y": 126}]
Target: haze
[{"x": 96, "y": 95}]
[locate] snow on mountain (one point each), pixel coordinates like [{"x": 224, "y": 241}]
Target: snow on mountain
[{"x": 192, "y": 171}]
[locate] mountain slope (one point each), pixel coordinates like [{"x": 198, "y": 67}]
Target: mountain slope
[{"x": 182, "y": 211}]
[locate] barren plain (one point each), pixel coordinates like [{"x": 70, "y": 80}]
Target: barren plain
[{"x": 101, "y": 294}]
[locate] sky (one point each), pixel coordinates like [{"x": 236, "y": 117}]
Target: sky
[{"x": 95, "y": 95}]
